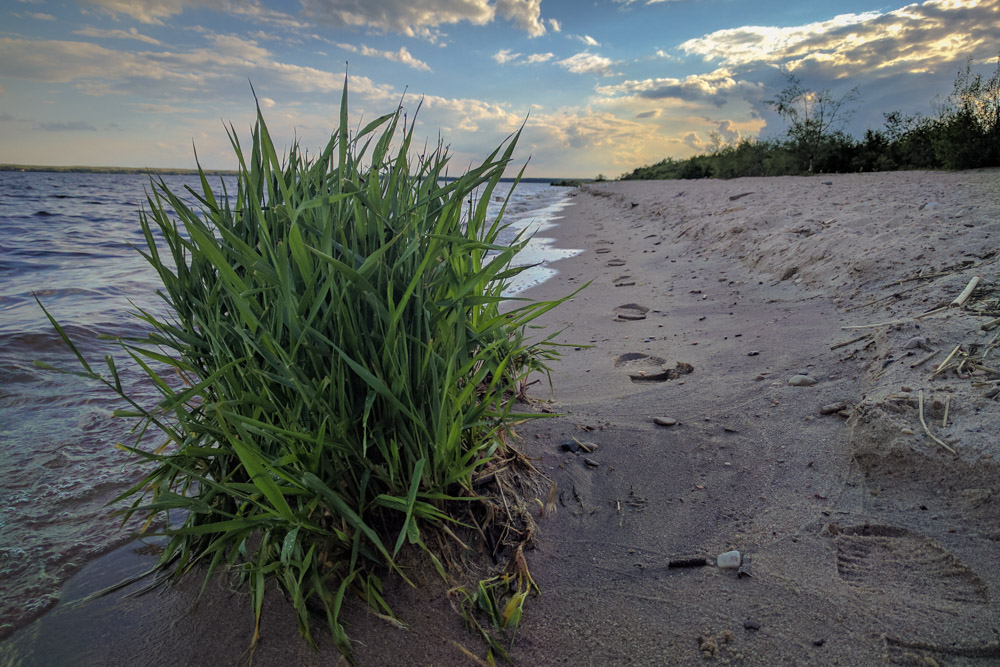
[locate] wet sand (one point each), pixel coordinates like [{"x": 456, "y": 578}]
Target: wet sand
[{"x": 868, "y": 541}]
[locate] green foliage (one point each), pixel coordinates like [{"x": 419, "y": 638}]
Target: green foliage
[
  {"x": 815, "y": 121},
  {"x": 337, "y": 367},
  {"x": 965, "y": 134}
]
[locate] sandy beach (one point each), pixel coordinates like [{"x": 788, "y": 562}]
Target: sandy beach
[{"x": 770, "y": 365}]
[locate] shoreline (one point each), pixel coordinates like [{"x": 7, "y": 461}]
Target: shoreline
[{"x": 868, "y": 543}]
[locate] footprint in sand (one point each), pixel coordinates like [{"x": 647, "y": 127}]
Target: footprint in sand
[
  {"x": 602, "y": 251},
  {"x": 646, "y": 368},
  {"x": 616, "y": 262},
  {"x": 623, "y": 281},
  {"x": 637, "y": 360},
  {"x": 881, "y": 558},
  {"x": 631, "y": 311}
]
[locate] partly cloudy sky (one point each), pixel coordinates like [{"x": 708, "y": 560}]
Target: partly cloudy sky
[{"x": 605, "y": 85}]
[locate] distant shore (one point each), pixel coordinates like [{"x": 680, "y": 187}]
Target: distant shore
[
  {"x": 177, "y": 171},
  {"x": 79, "y": 169}
]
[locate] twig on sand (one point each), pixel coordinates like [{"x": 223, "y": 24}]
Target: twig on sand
[
  {"x": 947, "y": 405},
  {"x": 967, "y": 292},
  {"x": 848, "y": 342},
  {"x": 935, "y": 311},
  {"x": 944, "y": 363},
  {"x": 992, "y": 324},
  {"x": 884, "y": 298},
  {"x": 924, "y": 360},
  {"x": 920, "y": 397},
  {"x": 877, "y": 324}
]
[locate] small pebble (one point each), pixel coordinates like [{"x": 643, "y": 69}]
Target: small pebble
[
  {"x": 751, "y": 625},
  {"x": 664, "y": 421},
  {"x": 801, "y": 381},
  {"x": 753, "y": 353},
  {"x": 591, "y": 462},
  {"x": 906, "y": 431},
  {"x": 729, "y": 560}
]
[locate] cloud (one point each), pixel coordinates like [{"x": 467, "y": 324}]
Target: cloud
[
  {"x": 591, "y": 140},
  {"x": 715, "y": 87},
  {"x": 588, "y": 40},
  {"x": 131, "y": 33},
  {"x": 161, "y": 108},
  {"x": 419, "y": 18},
  {"x": 525, "y": 14},
  {"x": 910, "y": 39},
  {"x": 220, "y": 70},
  {"x": 540, "y": 58},
  {"x": 41, "y": 16},
  {"x": 588, "y": 63},
  {"x": 652, "y": 113},
  {"x": 151, "y": 11},
  {"x": 555, "y": 25},
  {"x": 694, "y": 141},
  {"x": 402, "y": 56},
  {"x": 73, "y": 126},
  {"x": 728, "y": 131},
  {"x": 504, "y": 56},
  {"x": 156, "y": 11}
]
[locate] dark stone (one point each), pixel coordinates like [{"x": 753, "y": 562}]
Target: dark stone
[{"x": 751, "y": 625}]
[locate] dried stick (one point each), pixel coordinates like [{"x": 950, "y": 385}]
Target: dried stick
[
  {"x": 931, "y": 312},
  {"x": 947, "y": 404},
  {"x": 927, "y": 430},
  {"x": 848, "y": 342},
  {"x": 891, "y": 322},
  {"x": 884, "y": 298},
  {"x": 879, "y": 324},
  {"x": 992, "y": 324},
  {"x": 967, "y": 292},
  {"x": 924, "y": 360},
  {"x": 944, "y": 363}
]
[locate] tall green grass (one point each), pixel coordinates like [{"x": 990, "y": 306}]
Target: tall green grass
[{"x": 339, "y": 365}]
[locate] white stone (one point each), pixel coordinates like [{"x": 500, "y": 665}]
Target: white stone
[{"x": 729, "y": 560}]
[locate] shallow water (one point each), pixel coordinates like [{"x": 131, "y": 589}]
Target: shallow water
[{"x": 65, "y": 239}]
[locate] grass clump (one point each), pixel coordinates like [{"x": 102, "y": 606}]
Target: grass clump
[{"x": 337, "y": 368}]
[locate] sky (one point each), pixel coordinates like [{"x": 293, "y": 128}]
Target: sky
[{"x": 601, "y": 86}]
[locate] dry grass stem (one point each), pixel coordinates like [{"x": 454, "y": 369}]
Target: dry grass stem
[{"x": 923, "y": 422}]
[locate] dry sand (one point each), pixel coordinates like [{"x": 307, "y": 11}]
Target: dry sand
[{"x": 869, "y": 541}]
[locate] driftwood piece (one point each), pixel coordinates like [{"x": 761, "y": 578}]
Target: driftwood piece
[{"x": 967, "y": 292}]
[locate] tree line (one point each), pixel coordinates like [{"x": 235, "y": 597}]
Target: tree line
[{"x": 964, "y": 133}]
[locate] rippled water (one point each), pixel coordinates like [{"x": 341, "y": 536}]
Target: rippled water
[{"x": 65, "y": 239}]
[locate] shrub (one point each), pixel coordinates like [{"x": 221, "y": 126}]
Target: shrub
[{"x": 345, "y": 366}]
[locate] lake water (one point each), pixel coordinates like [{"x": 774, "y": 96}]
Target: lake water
[{"x": 67, "y": 240}]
